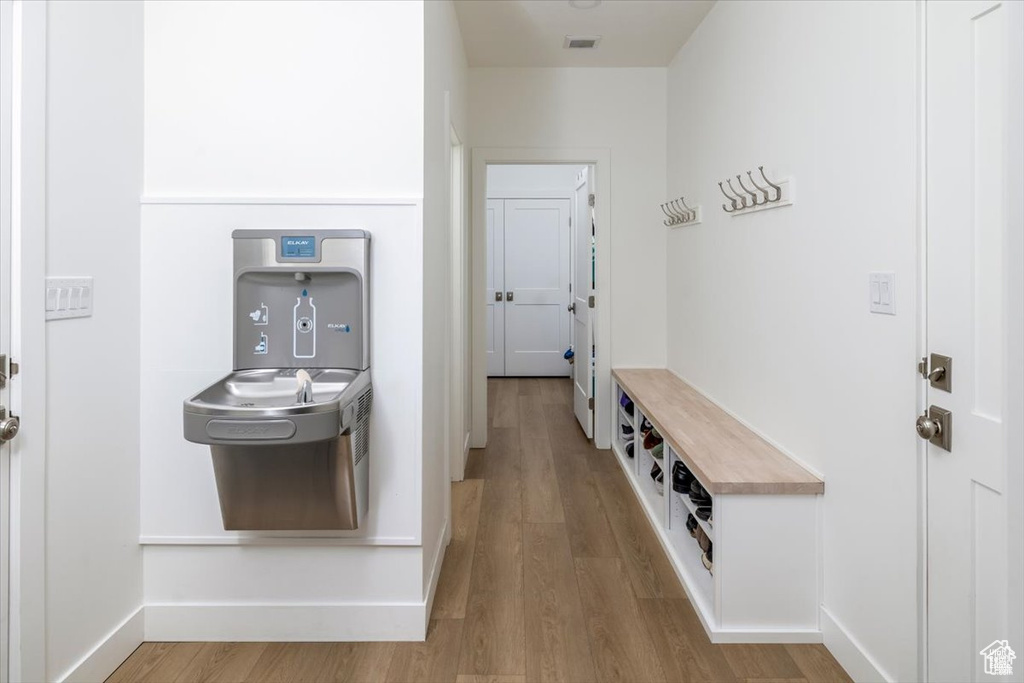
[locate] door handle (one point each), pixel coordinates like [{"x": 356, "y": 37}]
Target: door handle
[
  {"x": 572, "y": 307},
  {"x": 936, "y": 427},
  {"x": 508, "y": 296},
  {"x": 497, "y": 296},
  {"x": 9, "y": 426}
]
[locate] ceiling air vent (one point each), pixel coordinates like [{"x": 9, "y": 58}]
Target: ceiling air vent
[{"x": 581, "y": 42}]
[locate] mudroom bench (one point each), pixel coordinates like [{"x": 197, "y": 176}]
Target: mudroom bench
[{"x": 761, "y": 509}]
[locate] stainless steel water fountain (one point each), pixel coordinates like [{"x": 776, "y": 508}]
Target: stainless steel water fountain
[{"x": 289, "y": 428}]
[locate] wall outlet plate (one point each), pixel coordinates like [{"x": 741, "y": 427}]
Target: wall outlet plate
[{"x": 68, "y": 297}]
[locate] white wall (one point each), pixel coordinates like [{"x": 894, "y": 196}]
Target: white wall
[
  {"x": 94, "y": 172},
  {"x": 309, "y": 99},
  {"x": 622, "y": 111},
  {"x": 507, "y": 180},
  {"x": 296, "y": 119},
  {"x": 768, "y": 312},
  {"x": 444, "y": 107}
]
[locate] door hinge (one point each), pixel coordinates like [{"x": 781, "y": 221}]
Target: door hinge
[
  {"x": 590, "y": 301},
  {"x": 590, "y": 200},
  {"x": 7, "y": 370},
  {"x": 590, "y": 403}
]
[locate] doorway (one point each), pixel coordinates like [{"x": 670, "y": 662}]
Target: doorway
[
  {"x": 504, "y": 341},
  {"x": 529, "y": 258}
]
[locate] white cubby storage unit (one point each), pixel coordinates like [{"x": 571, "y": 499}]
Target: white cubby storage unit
[{"x": 766, "y": 585}]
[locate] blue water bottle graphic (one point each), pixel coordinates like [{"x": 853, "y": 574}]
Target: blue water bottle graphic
[{"x": 304, "y": 319}]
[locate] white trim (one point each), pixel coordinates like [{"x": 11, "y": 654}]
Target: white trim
[
  {"x": 529, "y": 194},
  {"x": 435, "y": 571},
  {"x": 347, "y": 622},
  {"x": 203, "y": 200},
  {"x": 108, "y": 654},
  {"x": 850, "y": 654},
  {"x": 601, "y": 158},
  {"x": 28, "y": 346},
  {"x": 921, "y": 453},
  {"x": 304, "y": 541}
]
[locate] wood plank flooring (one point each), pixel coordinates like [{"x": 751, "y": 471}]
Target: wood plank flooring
[{"x": 553, "y": 574}]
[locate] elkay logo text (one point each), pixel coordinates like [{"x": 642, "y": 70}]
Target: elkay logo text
[{"x": 999, "y": 658}]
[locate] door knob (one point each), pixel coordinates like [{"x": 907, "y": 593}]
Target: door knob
[
  {"x": 936, "y": 427},
  {"x": 8, "y": 426},
  {"x": 927, "y": 428},
  {"x": 572, "y": 307},
  {"x": 508, "y": 296}
]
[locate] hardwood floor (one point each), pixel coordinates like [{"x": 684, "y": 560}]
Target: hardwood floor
[{"x": 553, "y": 574}]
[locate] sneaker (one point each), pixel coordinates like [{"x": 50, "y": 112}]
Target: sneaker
[
  {"x": 629, "y": 449},
  {"x": 652, "y": 439},
  {"x": 626, "y": 431},
  {"x": 704, "y": 512},
  {"x": 682, "y": 478},
  {"x": 702, "y": 539},
  {"x": 698, "y": 495},
  {"x": 691, "y": 525},
  {"x": 655, "y": 471},
  {"x": 708, "y": 561},
  {"x": 627, "y": 404},
  {"x": 658, "y": 452},
  {"x": 645, "y": 428}
]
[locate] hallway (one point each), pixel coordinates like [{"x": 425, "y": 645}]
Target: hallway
[{"x": 553, "y": 574}]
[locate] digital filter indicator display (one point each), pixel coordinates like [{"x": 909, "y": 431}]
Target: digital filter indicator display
[{"x": 298, "y": 247}]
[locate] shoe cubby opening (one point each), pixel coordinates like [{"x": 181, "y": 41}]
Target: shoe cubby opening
[
  {"x": 625, "y": 432},
  {"x": 648, "y": 467}
]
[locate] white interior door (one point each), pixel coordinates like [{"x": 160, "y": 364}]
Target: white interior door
[
  {"x": 6, "y": 99},
  {"x": 536, "y": 287},
  {"x": 495, "y": 321},
  {"x": 967, "y": 82},
  {"x": 582, "y": 288}
]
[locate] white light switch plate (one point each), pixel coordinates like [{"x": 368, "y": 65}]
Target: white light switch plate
[
  {"x": 68, "y": 297},
  {"x": 882, "y": 293}
]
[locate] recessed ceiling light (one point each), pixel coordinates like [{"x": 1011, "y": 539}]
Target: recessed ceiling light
[{"x": 584, "y": 4}]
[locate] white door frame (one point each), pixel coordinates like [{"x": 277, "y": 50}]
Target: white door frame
[
  {"x": 456, "y": 441},
  {"x": 28, "y": 343},
  {"x": 601, "y": 159},
  {"x": 1014, "y": 331},
  {"x": 1014, "y": 270}
]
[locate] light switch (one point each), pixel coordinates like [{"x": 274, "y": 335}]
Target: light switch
[
  {"x": 882, "y": 293},
  {"x": 68, "y": 297}
]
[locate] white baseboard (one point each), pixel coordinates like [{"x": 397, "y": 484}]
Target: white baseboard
[
  {"x": 110, "y": 652},
  {"x": 850, "y": 654},
  {"x": 435, "y": 572},
  {"x": 286, "y": 623}
]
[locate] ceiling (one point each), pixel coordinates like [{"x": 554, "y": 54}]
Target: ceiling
[{"x": 531, "y": 32}]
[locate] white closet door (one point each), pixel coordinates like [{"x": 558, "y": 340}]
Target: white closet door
[
  {"x": 495, "y": 320},
  {"x": 582, "y": 288},
  {"x": 536, "y": 287}
]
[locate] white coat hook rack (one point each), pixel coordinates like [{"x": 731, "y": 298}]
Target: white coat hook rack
[
  {"x": 756, "y": 193},
  {"x": 680, "y": 213}
]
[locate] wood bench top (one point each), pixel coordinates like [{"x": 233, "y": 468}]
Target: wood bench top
[{"x": 725, "y": 455}]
